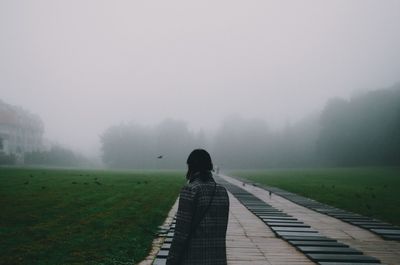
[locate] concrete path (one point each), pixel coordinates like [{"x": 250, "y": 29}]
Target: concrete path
[
  {"x": 158, "y": 241},
  {"x": 387, "y": 251},
  {"x": 250, "y": 242}
]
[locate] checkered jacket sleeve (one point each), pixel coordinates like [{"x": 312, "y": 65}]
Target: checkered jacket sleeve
[
  {"x": 184, "y": 219},
  {"x": 207, "y": 243}
]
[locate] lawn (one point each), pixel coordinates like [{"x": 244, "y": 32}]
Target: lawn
[
  {"x": 82, "y": 217},
  {"x": 373, "y": 192}
]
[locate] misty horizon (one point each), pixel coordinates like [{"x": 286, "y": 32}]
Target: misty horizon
[{"x": 88, "y": 65}]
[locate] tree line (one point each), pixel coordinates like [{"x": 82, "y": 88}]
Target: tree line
[
  {"x": 137, "y": 146},
  {"x": 364, "y": 130},
  {"x": 56, "y": 156}
]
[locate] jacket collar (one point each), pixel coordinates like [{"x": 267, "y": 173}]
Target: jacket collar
[{"x": 201, "y": 176}]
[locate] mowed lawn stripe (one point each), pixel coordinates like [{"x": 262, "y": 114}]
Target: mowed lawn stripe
[
  {"x": 373, "y": 192},
  {"x": 74, "y": 216}
]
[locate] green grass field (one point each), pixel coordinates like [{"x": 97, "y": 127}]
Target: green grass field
[
  {"x": 373, "y": 192},
  {"x": 82, "y": 217}
]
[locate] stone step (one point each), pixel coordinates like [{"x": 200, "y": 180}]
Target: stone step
[
  {"x": 317, "y": 243},
  {"x": 341, "y": 258},
  {"x": 162, "y": 254},
  {"x": 160, "y": 261},
  {"x": 274, "y": 224},
  {"x": 294, "y": 229},
  {"x": 327, "y": 250}
]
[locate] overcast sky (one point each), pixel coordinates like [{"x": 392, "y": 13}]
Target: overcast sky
[{"x": 85, "y": 65}]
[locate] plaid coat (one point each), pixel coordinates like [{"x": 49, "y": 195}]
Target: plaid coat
[{"x": 207, "y": 242}]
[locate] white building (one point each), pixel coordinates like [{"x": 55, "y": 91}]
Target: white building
[{"x": 20, "y": 131}]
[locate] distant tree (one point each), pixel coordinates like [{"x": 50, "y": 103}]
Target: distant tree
[
  {"x": 174, "y": 141},
  {"x": 362, "y": 131},
  {"x": 165, "y": 145},
  {"x": 7, "y": 159},
  {"x": 242, "y": 143},
  {"x": 57, "y": 156},
  {"x": 295, "y": 145},
  {"x": 249, "y": 144},
  {"x": 127, "y": 146}
]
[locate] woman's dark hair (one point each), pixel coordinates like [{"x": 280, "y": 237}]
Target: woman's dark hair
[{"x": 199, "y": 160}]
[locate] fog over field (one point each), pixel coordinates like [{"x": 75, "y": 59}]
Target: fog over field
[{"x": 84, "y": 66}]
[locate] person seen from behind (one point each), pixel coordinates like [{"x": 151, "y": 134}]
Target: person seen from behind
[{"x": 202, "y": 217}]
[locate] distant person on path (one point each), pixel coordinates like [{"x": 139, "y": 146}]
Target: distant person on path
[{"x": 202, "y": 216}]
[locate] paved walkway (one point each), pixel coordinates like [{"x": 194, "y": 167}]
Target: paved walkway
[
  {"x": 250, "y": 242},
  {"x": 158, "y": 241},
  {"x": 387, "y": 251}
]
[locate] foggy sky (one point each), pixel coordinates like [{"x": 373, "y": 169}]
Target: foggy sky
[{"x": 86, "y": 65}]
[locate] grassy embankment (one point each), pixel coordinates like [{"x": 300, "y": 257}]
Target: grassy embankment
[
  {"x": 373, "y": 192},
  {"x": 81, "y": 217}
]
